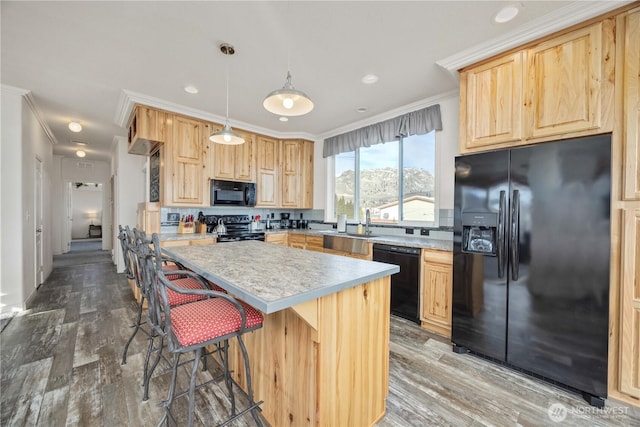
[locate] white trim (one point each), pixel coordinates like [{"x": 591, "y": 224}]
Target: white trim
[
  {"x": 128, "y": 99},
  {"x": 423, "y": 103},
  {"x": 562, "y": 18},
  {"x": 31, "y": 102}
]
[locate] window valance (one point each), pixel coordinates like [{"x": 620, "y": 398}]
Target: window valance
[{"x": 417, "y": 122}]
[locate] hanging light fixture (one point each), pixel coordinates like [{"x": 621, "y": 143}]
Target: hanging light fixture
[
  {"x": 288, "y": 101},
  {"x": 227, "y": 135}
]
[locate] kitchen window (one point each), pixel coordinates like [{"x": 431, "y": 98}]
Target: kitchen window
[{"x": 395, "y": 181}]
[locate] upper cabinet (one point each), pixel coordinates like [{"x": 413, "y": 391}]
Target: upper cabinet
[
  {"x": 267, "y": 155},
  {"x": 492, "y": 103},
  {"x": 235, "y": 162},
  {"x": 562, "y": 86},
  {"x": 148, "y": 130},
  {"x": 186, "y": 161},
  {"x": 631, "y": 104}
]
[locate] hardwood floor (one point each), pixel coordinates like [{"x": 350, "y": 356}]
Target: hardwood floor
[{"x": 61, "y": 366}]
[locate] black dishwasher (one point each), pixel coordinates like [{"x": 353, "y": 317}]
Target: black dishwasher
[{"x": 405, "y": 285}]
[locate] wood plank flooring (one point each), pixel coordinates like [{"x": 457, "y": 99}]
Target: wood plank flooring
[{"x": 60, "y": 365}]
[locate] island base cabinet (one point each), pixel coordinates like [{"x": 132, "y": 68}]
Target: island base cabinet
[{"x": 334, "y": 374}]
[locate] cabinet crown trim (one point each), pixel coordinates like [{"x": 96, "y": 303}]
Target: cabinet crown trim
[{"x": 561, "y": 19}]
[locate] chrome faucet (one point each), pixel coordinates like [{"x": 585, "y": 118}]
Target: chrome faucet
[{"x": 367, "y": 223}]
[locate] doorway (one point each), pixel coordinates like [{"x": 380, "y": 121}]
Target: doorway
[
  {"x": 39, "y": 254},
  {"x": 85, "y": 213}
]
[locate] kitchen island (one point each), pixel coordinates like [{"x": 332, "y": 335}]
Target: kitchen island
[{"x": 322, "y": 356}]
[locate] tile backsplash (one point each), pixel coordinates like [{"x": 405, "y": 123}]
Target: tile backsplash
[{"x": 314, "y": 216}]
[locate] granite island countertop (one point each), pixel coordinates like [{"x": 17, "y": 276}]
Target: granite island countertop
[{"x": 273, "y": 278}]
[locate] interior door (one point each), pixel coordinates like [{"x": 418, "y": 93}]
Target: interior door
[{"x": 39, "y": 255}]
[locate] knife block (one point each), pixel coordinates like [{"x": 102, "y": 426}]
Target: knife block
[{"x": 186, "y": 227}]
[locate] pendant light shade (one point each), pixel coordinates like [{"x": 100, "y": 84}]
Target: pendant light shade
[
  {"x": 288, "y": 101},
  {"x": 227, "y": 135}
]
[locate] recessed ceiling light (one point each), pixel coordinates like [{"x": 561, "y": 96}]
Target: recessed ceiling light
[
  {"x": 506, "y": 14},
  {"x": 284, "y": 119},
  {"x": 75, "y": 127},
  {"x": 362, "y": 110},
  {"x": 191, "y": 89},
  {"x": 81, "y": 153},
  {"x": 369, "y": 79}
]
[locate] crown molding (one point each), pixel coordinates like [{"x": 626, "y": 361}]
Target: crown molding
[
  {"x": 129, "y": 99},
  {"x": 562, "y": 18},
  {"x": 31, "y": 102},
  {"x": 423, "y": 103}
]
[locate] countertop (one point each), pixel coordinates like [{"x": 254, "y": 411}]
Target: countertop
[
  {"x": 416, "y": 242},
  {"x": 271, "y": 277}
]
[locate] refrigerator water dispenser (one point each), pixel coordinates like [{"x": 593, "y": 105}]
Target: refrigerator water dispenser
[{"x": 479, "y": 232}]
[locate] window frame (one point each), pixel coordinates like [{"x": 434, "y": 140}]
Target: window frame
[{"x": 329, "y": 213}]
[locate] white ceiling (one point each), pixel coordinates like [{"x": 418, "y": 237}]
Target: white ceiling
[{"x": 77, "y": 58}]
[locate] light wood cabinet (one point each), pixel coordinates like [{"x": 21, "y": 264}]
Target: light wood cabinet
[
  {"x": 631, "y": 106},
  {"x": 148, "y": 217},
  {"x": 235, "y": 162},
  {"x": 147, "y": 130},
  {"x": 624, "y": 346},
  {"x": 491, "y": 98},
  {"x": 306, "y": 176},
  {"x": 568, "y": 84},
  {"x": 303, "y": 241},
  {"x": 186, "y": 161},
  {"x": 267, "y": 155},
  {"x": 298, "y": 241},
  {"x": 276, "y": 238},
  {"x": 290, "y": 173},
  {"x": 565, "y": 85},
  {"x": 629, "y": 375},
  {"x": 188, "y": 242},
  {"x": 436, "y": 291},
  {"x": 368, "y": 256},
  {"x": 315, "y": 243}
]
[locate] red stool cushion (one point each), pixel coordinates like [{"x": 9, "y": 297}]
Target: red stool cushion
[
  {"x": 205, "y": 320},
  {"x": 215, "y": 287},
  {"x": 168, "y": 267},
  {"x": 176, "y": 298}
]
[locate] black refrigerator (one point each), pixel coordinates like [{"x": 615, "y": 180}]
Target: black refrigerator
[{"x": 531, "y": 260}]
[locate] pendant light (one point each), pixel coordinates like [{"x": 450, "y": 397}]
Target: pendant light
[
  {"x": 288, "y": 101},
  {"x": 227, "y": 135}
]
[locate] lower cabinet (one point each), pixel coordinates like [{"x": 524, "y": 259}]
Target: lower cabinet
[
  {"x": 303, "y": 241},
  {"x": 276, "y": 238},
  {"x": 188, "y": 242},
  {"x": 436, "y": 291},
  {"x": 298, "y": 241}
]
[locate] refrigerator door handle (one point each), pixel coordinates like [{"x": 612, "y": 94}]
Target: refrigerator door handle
[
  {"x": 502, "y": 223},
  {"x": 515, "y": 235}
]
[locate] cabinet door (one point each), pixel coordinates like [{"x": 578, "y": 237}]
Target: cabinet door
[
  {"x": 629, "y": 376},
  {"x": 306, "y": 190},
  {"x": 147, "y": 130},
  {"x": 315, "y": 243},
  {"x": 244, "y": 169},
  {"x": 267, "y": 172},
  {"x": 631, "y": 108},
  {"x": 564, "y": 82},
  {"x": 290, "y": 160},
  {"x": 297, "y": 241},
  {"x": 491, "y": 108},
  {"x": 188, "y": 161},
  {"x": 276, "y": 238},
  {"x": 224, "y": 161},
  {"x": 437, "y": 286}
]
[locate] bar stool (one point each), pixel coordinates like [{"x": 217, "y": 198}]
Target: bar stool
[
  {"x": 123, "y": 236},
  {"x": 194, "y": 326},
  {"x": 134, "y": 241}
]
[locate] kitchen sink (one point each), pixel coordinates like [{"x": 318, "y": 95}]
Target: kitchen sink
[
  {"x": 363, "y": 236},
  {"x": 346, "y": 244}
]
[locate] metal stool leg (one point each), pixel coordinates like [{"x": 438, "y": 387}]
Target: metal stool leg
[{"x": 135, "y": 331}]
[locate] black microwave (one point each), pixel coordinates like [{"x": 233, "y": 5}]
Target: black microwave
[{"x": 232, "y": 193}]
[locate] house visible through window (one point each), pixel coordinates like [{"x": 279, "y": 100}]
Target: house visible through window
[{"x": 394, "y": 180}]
